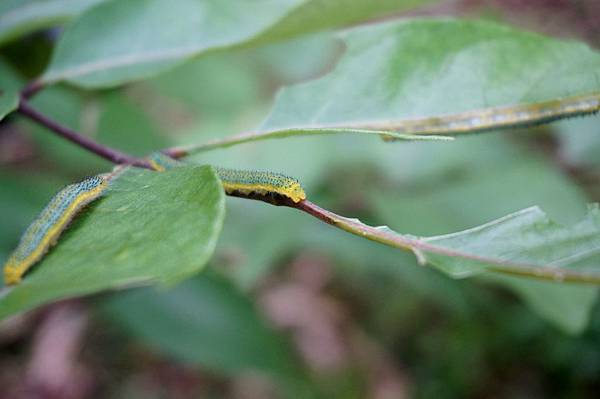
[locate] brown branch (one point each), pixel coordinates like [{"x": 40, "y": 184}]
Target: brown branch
[{"x": 107, "y": 153}]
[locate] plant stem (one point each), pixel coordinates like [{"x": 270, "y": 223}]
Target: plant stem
[
  {"x": 31, "y": 89},
  {"x": 420, "y": 247},
  {"x": 107, "y": 153}
]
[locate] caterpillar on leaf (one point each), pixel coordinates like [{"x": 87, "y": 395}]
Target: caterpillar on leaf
[
  {"x": 47, "y": 227},
  {"x": 243, "y": 181}
]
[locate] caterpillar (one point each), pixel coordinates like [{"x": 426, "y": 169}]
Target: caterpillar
[
  {"x": 242, "y": 181},
  {"x": 49, "y": 225},
  {"x": 504, "y": 117}
]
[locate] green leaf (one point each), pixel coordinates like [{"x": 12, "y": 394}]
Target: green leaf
[
  {"x": 567, "y": 306},
  {"x": 18, "y": 17},
  {"x": 318, "y": 15},
  {"x": 457, "y": 187},
  {"x": 579, "y": 141},
  {"x": 300, "y": 131},
  {"x": 421, "y": 75},
  {"x": 526, "y": 242},
  {"x": 230, "y": 85},
  {"x": 9, "y": 101},
  {"x": 391, "y": 80},
  {"x": 449, "y": 188},
  {"x": 148, "y": 228},
  {"x": 119, "y": 41},
  {"x": 9, "y": 89},
  {"x": 9, "y": 78},
  {"x": 217, "y": 326},
  {"x": 299, "y": 59}
]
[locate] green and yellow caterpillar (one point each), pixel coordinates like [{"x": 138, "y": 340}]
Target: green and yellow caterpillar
[
  {"x": 49, "y": 225},
  {"x": 242, "y": 181},
  {"x": 45, "y": 230}
]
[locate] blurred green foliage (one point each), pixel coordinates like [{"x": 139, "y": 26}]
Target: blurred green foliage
[{"x": 484, "y": 337}]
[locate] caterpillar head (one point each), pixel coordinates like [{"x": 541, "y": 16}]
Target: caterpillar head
[{"x": 296, "y": 192}]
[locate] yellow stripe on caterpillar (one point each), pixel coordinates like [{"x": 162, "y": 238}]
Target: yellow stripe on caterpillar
[
  {"x": 243, "y": 181},
  {"x": 49, "y": 225},
  {"x": 262, "y": 183}
]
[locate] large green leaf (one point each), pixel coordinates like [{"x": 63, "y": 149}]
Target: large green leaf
[
  {"x": 217, "y": 327},
  {"x": 230, "y": 85},
  {"x": 149, "y": 227},
  {"x": 9, "y": 78},
  {"x": 396, "y": 77},
  {"x": 525, "y": 242},
  {"x": 455, "y": 187},
  {"x": 9, "y": 89},
  {"x": 579, "y": 141},
  {"x": 413, "y": 76},
  {"x": 18, "y": 17},
  {"x": 9, "y": 101},
  {"x": 120, "y": 41}
]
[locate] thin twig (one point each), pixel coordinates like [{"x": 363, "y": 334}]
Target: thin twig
[
  {"x": 107, "y": 153},
  {"x": 421, "y": 247},
  {"x": 31, "y": 89},
  {"x": 418, "y": 246}
]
